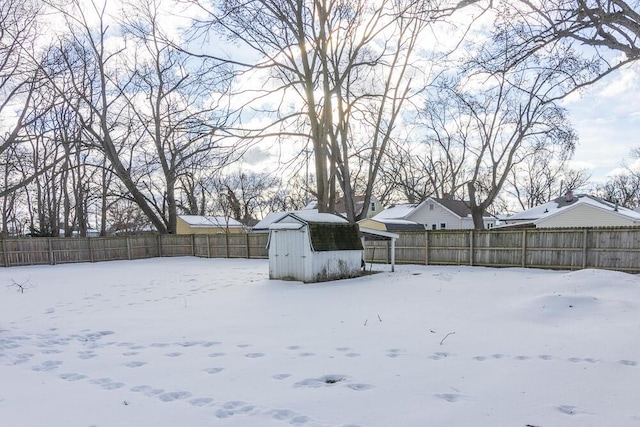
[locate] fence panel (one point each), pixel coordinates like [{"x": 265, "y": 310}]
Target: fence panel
[
  {"x": 497, "y": 248},
  {"x": 109, "y": 248},
  {"x": 18, "y": 252},
  {"x": 616, "y": 249},
  {"x": 66, "y": 251}
]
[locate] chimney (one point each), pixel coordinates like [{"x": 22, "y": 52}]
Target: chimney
[{"x": 568, "y": 196}]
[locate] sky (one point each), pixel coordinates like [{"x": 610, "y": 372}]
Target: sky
[
  {"x": 213, "y": 342},
  {"x": 607, "y": 119}
]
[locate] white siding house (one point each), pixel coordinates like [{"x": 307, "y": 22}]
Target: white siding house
[
  {"x": 571, "y": 210},
  {"x": 434, "y": 214},
  {"x": 314, "y": 248}
]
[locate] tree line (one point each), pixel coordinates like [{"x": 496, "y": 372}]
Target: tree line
[{"x": 122, "y": 116}]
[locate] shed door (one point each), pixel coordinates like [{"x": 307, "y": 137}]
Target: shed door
[{"x": 290, "y": 251}]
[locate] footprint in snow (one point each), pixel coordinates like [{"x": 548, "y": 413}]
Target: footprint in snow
[
  {"x": 628, "y": 362},
  {"x": 175, "y": 354},
  {"x": 49, "y": 365},
  {"x": 174, "y": 395},
  {"x": 107, "y": 383},
  {"x": 234, "y": 408},
  {"x": 213, "y": 370},
  {"x": 72, "y": 377},
  {"x": 254, "y": 355},
  {"x": 280, "y": 376},
  {"x": 134, "y": 364},
  {"x": 450, "y": 397},
  {"x": 201, "y": 401}
]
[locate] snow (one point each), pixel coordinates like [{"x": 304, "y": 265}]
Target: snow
[
  {"x": 208, "y": 221},
  {"x": 396, "y": 212},
  {"x": 213, "y": 342}
]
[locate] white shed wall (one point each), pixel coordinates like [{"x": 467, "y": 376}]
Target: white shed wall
[
  {"x": 289, "y": 254},
  {"x": 331, "y": 265}
]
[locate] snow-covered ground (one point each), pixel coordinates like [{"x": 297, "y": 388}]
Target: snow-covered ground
[{"x": 211, "y": 342}]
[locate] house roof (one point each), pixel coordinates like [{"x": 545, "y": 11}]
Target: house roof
[
  {"x": 396, "y": 211},
  {"x": 402, "y": 211},
  {"x": 561, "y": 203},
  {"x": 199, "y": 221},
  {"x": 393, "y": 225}
]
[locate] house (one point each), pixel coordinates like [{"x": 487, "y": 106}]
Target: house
[
  {"x": 575, "y": 210},
  {"x": 431, "y": 214},
  {"x": 314, "y": 247},
  {"x": 197, "y": 224}
]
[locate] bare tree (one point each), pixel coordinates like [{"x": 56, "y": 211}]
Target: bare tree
[
  {"x": 542, "y": 177},
  {"x": 348, "y": 66},
  {"x": 592, "y": 30},
  {"x": 623, "y": 188},
  {"x": 181, "y": 115},
  {"x": 246, "y": 195},
  {"x": 505, "y": 117},
  {"x": 152, "y": 111}
]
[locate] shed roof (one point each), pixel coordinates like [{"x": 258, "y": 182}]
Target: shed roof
[{"x": 328, "y": 232}]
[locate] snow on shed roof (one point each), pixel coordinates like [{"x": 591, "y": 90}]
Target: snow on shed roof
[{"x": 210, "y": 221}]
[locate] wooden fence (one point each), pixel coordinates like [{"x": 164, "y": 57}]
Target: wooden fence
[
  {"x": 567, "y": 249},
  {"x": 570, "y": 249},
  {"x": 33, "y": 251}
]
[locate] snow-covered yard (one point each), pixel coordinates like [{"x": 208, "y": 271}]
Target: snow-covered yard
[{"x": 212, "y": 342}]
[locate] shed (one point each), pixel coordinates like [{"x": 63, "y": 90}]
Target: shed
[{"x": 314, "y": 247}]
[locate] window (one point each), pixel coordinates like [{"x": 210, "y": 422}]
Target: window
[
  {"x": 490, "y": 225},
  {"x": 433, "y": 226},
  {"x": 443, "y": 225},
  {"x": 373, "y": 206},
  {"x": 430, "y": 206}
]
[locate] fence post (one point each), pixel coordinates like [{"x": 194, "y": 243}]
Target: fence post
[
  {"x": 584, "y": 247},
  {"x": 5, "y": 255},
  {"x": 471, "y": 247},
  {"x": 128, "y": 248},
  {"x": 159, "y": 245},
  {"x": 52, "y": 260},
  {"x": 208, "y": 246},
  {"x": 226, "y": 244},
  {"x": 193, "y": 244},
  {"x": 426, "y": 248},
  {"x": 91, "y": 257},
  {"x": 524, "y": 248},
  {"x": 247, "y": 240}
]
